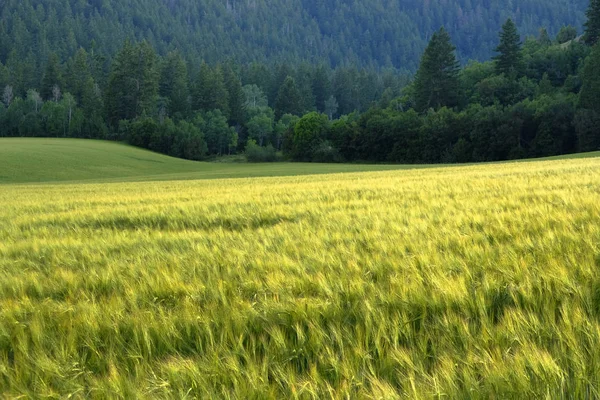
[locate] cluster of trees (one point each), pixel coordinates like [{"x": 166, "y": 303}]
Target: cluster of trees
[
  {"x": 379, "y": 33},
  {"x": 536, "y": 98},
  {"x": 224, "y": 105}
]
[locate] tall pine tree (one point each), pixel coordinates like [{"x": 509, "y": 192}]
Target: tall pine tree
[
  {"x": 289, "y": 99},
  {"x": 592, "y": 26},
  {"x": 589, "y": 97},
  {"x": 510, "y": 59},
  {"x": 52, "y": 77},
  {"x": 436, "y": 83},
  {"x": 133, "y": 83},
  {"x": 174, "y": 84}
]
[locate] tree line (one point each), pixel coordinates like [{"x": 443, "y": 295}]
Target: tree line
[{"x": 534, "y": 98}]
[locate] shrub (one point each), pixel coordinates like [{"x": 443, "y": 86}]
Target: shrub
[{"x": 256, "y": 153}]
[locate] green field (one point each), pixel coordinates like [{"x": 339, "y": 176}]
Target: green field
[
  {"x": 33, "y": 160},
  {"x": 478, "y": 281}
]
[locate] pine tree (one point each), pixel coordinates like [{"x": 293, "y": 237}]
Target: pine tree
[
  {"x": 174, "y": 84},
  {"x": 133, "y": 83},
  {"x": 321, "y": 88},
  {"x": 78, "y": 73},
  {"x": 592, "y": 26},
  {"x": 236, "y": 96},
  {"x": 221, "y": 96},
  {"x": 202, "y": 89},
  {"x": 589, "y": 97},
  {"x": 510, "y": 59},
  {"x": 289, "y": 100},
  {"x": 52, "y": 77},
  {"x": 210, "y": 92},
  {"x": 436, "y": 83}
]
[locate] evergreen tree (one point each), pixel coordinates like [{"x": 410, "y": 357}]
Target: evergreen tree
[
  {"x": 78, "y": 75},
  {"x": 210, "y": 92},
  {"x": 592, "y": 26},
  {"x": 321, "y": 87},
  {"x": 566, "y": 34},
  {"x": 436, "y": 83},
  {"x": 220, "y": 94},
  {"x": 133, "y": 83},
  {"x": 589, "y": 98},
  {"x": 52, "y": 77},
  {"x": 510, "y": 59},
  {"x": 174, "y": 84},
  {"x": 202, "y": 91},
  {"x": 235, "y": 96},
  {"x": 289, "y": 100}
]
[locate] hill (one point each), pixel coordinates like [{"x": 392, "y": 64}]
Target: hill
[
  {"x": 51, "y": 160},
  {"x": 375, "y": 32},
  {"x": 44, "y": 160},
  {"x": 475, "y": 282}
]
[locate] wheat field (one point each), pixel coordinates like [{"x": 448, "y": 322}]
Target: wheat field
[{"x": 465, "y": 282}]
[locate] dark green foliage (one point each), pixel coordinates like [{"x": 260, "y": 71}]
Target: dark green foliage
[
  {"x": 566, "y": 34},
  {"x": 133, "y": 83},
  {"x": 210, "y": 92},
  {"x": 590, "y": 91},
  {"x": 289, "y": 100},
  {"x": 256, "y": 153},
  {"x": 436, "y": 83},
  {"x": 588, "y": 133},
  {"x": 309, "y": 132},
  {"x": 235, "y": 96},
  {"x": 592, "y": 26},
  {"x": 174, "y": 85},
  {"x": 509, "y": 61},
  {"x": 52, "y": 79},
  {"x": 337, "y": 32},
  {"x": 321, "y": 87},
  {"x": 521, "y": 105}
]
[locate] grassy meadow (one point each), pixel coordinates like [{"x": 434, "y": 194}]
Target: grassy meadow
[
  {"x": 461, "y": 282},
  {"x": 51, "y": 160}
]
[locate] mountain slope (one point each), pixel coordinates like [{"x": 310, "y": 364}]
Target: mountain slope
[{"x": 377, "y": 32}]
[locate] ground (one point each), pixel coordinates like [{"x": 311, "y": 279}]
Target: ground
[{"x": 477, "y": 281}]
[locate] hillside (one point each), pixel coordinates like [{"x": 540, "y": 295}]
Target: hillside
[
  {"x": 50, "y": 160},
  {"x": 377, "y": 32},
  {"x": 477, "y": 282},
  {"x": 29, "y": 160}
]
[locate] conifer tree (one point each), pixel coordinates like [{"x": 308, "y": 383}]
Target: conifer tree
[
  {"x": 589, "y": 97},
  {"x": 436, "y": 83},
  {"x": 210, "y": 92},
  {"x": 174, "y": 84},
  {"x": 133, "y": 83},
  {"x": 289, "y": 100},
  {"x": 592, "y": 26},
  {"x": 52, "y": 77},
  {"x": 321, "y": 88},
  {"x": 235, "y": 95},
  {"x": 510, "y": 58}
]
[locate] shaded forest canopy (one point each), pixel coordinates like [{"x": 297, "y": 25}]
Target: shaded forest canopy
[
  {"x": 376, "y": 33},
  {"x": 101, "y": 70}
]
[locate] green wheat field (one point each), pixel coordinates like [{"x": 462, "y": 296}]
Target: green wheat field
[{"x": 126, "y": 274}]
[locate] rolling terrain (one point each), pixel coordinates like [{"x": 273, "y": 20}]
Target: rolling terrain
[
  {"x": 39, "y": 160},
  {"x": 476, "y": 281}
]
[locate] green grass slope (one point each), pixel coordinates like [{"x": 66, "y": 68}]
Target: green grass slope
[
  {"x": 34, "y": 160},
  {"x": 48, "y": 160}
]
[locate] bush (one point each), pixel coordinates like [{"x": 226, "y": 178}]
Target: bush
[
  {"x": 256, "y": 153},
  {"x": 326, "y": 153}
]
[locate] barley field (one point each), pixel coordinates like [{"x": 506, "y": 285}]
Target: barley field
[{"x": 475, "y": 282}]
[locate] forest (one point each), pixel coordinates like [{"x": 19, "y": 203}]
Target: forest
[
  {"x": 377, "y": 33},
  {"x": 534, "y": 97}
]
